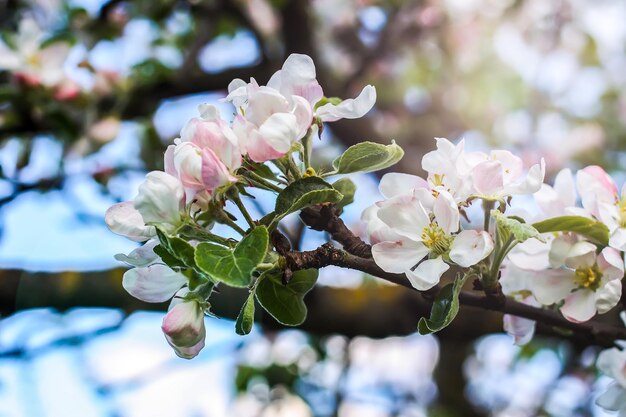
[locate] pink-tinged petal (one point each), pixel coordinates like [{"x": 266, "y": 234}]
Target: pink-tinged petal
[
  {"x": 487, "y": 178},
  {"x": 187, "y": 352},
  {"x": 565, "y": 187},
  {"x": 611, "y": 264},
  {"x": 405, "y": 215},
  {"x": 280, "y": 131},
  {"x": 579, "y": 306},
  {"x": 512, "y": 165},
  {"x": 264, "y": 103},
  {"x": 304, "y": 114},
  {"x": 123, "y": 219},
  {"x": 614, "y": 399},
  {"x": 350, "y": 108},
  {"x": 427, "y": 274},
  {"x": 214, "y": 173},
  {"x": 608, "y": 295},
  {"x": 183, "y": 324},
  {"x": 595, "y": 186},
  {"x": 617, "y": 239},
  {"x": 470, "y": 247},
  {"x": 259, "y": 150},
  {"x": 168, "y": 161},
  {"x": 297, "y": 77},
  {"x": 531, "y": 183},
  {"x": 398, "y": 256},
  {"x": 551, "y": 286},
  {"x": 446, "y": 213},
  {"x": 521, "y": 329},
  {"x": 532, "y": 255},
  {"x": 154, "y": 284},
  {"x": 396, "y": 183},
  {"x": 581, "y": 255},
  {"x": 142, "y": 256},
  {"x": 549, "y": 201}
]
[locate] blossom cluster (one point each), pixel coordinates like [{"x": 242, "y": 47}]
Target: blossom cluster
[{"x": 209, "y": 160}]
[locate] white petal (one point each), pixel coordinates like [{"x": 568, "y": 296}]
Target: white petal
[
  {"x": 614, "y": 399},
  {"x": 551, "y": 286},
  {"x": 123, "y": 219},
  {"x": 280, "y": 130},
  {"x": 531, "y": 254},
  {"x": 579, "y": 306},
  {"x": 470, "y": 247},
  {"x": 608, "y": 295},
  {"x": 617, "y": 239},
  {"x": 142, "y": 256},
  {"x": 532, "y": 183},
  {"x": 611, "y": 264},
  {"x": 488, "y": 178},
  {"x": 427, "y": 274},
  {"x": 350, "y": 108},
  {"x": 446, "y": 213},
  {"x": 581, "y": 255},
  {"x": 398, "y": 256},
  {"x": 565, "y": 187},
  {"x": 405, "y": 215},
  {"x": 520, "y": 328},
  {"x": 559, "y": 249},
  {"x": 396, "y": 183},
  {"x": 153, "y": 284}
]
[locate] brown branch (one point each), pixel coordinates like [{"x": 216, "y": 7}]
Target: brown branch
[
  {"x": 327, "y": 255},
  {"x": 325, "y": 218}
]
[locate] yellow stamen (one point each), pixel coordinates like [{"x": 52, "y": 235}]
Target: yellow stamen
[
  {"x": 435, "y": 239},
  {"x": 588, "y": 278}
]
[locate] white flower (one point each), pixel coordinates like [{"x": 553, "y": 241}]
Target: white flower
[
  {"x": 123, "y": 219},
  {"x": 405, "y": 234},
  {"x": 585, "y": 282},
  {"x": 153, "y": 284},
  {"x": 448, "y": 169},
  {"x": 612, "y": 362},
  {"x": 160, "y": 200}
]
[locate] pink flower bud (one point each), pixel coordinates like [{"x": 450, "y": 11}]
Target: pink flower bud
[{"x": 184, "y": 328}]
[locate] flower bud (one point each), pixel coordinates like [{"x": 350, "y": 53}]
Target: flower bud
[{"x": 184, "y": 328}]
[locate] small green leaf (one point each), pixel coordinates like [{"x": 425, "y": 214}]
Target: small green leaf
[
  {"x": 591, "y": 229},
  {"x": 510, "y": 226},
  {"x": 234, "y": 266},
  {"x": 245, "y": 319},
  {"x": 285, "y": 302},
  {"x": 444, "y": 309},
  {"x": 178, "y": 248},
  {"x": 168, "y": 258},
  {"x": 368, "y": 157},
  {"x": 347, "y": 188},
  {"x": 303, "y": 193}
]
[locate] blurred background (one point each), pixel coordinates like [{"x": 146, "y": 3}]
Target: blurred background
[{"x": 91, "y": 93}]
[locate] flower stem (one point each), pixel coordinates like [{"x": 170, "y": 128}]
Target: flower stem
[{"x": 242, "y": 208}]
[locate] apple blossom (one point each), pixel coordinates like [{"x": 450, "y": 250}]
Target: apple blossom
[
  {"x": 154, "y": 283},
  {"x": 612, "y": 363},
  {"x": 410, "y": 236},
  {"x": 123, "y": 219},
  {"x": 183, "y": 326}
]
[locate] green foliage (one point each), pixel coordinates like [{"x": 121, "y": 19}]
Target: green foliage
[
  {"x": 174, "y": 251},
  {"x": 303, "y": 193},
  {"x": 245, "y": 319},
  {"x": 347, "y": 188},
  {"x": 509, "y": 226},
  {"x": 591, "y": 229},
  {"x": 444, "y": 309},
  {"x": 286, "y": 302},
  {"x": 368, "y": 157},
  {"x": 234, "y": 266}
]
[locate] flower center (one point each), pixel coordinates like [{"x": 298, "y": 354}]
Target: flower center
[
  {"x": 435, "y": 239},
  {"x": 588, "y": 278}
]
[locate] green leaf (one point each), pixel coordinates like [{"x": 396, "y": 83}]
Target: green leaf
[
  {"x": 444, "y": 309},
  {"x": 508, "y": 226},
  {"x": 234, "y": 266},
  {"x": 178, "y": 248},
  {"x": 347, "y": 188},
  {"x": 168, "y": 258},
  {"x": 303, "y": 193},
  {"x": 245, "y": 319},
  {"x": 591, "y": 229},
  {"x": 368, "y": 157},
  {"x": 285, "y": 302}
]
